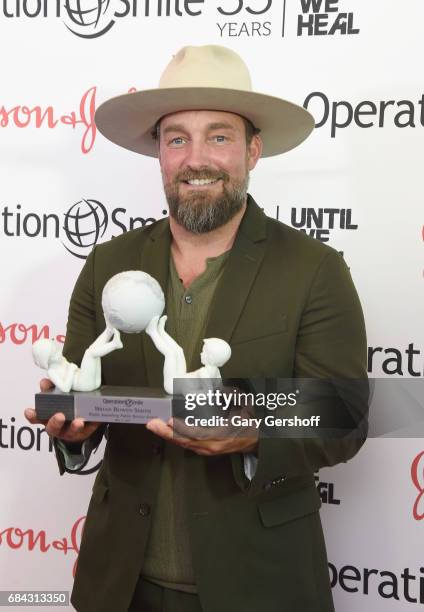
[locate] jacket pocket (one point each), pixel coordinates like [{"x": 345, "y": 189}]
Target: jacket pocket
[
  {"x": 289, "y": 507},
  {"x": 266, "y": 328}
]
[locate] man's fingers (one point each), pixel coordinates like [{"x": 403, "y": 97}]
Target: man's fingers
[
  {"x": 165, "y": 431},
  {"x": 46, "y": 384},
  {"x": 55, "y": 424},
  {"x": 199, "y": 433},
  {"x": 76, "y": 426},
  {"x": 158, "y": 427},
  {"x": 77, "y": 430},
  {"x": 31, "y": 416},
  {"x": 221, "y": 443}
]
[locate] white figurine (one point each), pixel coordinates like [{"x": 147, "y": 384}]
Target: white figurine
[
  {"x": 215, "y": 354},
  {"x": 64, "y": 375},
  {"x": 129, "y": 300}
]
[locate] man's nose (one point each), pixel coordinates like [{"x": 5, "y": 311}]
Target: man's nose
[{"x": 198, "y": 155}]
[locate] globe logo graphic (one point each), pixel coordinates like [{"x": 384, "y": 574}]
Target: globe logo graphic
[
  {"x": 87, "y": 15},
  {"x": 85, "y": 222}
]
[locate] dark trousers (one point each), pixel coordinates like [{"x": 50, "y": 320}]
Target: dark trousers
[{"x": 149, "y": 597}]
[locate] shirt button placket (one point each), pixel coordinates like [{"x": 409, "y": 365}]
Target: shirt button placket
[{"x": 144, "y": 509}]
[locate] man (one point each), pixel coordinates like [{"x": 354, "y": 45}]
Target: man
[{"x": 227, "y": 525}]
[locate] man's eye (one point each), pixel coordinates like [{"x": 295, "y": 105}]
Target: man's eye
[
  {"x": 178, "y": 140},
  {"x": 220, "y": 138}
]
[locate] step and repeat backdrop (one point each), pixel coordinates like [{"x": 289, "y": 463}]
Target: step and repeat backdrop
[{"x": 356, "y": 184}]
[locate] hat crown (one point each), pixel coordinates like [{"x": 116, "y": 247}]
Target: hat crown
[{"x": 206, "y": 66}]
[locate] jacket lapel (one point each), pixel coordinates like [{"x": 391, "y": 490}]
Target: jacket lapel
[
  {"x": 239, "y": 274},
  {"x": 155, "y": 261},
  {"x": 233, "y": 290}
]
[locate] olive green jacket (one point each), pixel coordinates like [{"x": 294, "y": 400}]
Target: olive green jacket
[{"x": 288, "y": 307}]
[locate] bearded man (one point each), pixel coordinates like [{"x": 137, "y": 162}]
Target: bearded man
[{"x": 175, "y": 523}]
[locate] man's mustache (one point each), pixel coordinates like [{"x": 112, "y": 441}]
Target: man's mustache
[{"x": 188, "y": 174}]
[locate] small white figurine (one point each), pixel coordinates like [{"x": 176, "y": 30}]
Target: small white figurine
[
  {"x": 64, "y": 375},
  {"x": 215, "y": 354},
  {"x": 129, "y": 300}
]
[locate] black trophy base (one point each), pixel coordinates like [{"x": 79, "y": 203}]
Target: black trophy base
[{"x": 108, "y": 404}]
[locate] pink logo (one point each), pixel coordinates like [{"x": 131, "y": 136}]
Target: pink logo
[
  {"x": 22, "y": 116},
  {"x": 417, "y": 475},
  {"x": 19, "y": 333},
  {"x": 15, "y": 538}
]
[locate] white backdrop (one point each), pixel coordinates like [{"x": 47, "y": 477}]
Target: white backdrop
[{"x": 362, "y": 83}]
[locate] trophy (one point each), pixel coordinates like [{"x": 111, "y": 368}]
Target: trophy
[{"x": 132, "y": 302}]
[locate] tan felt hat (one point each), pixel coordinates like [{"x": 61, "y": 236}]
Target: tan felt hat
[{"x": 211, "y": 77}]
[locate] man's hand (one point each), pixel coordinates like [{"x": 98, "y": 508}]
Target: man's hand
[
  {"x": 206, "y": 441},
  {"x": 77, "y": 430}
]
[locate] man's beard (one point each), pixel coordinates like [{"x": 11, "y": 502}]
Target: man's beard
[{"x": 201, "y": 212}]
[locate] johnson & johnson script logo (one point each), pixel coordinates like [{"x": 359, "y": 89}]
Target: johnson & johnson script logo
[
  {"x": 15, "y": 538},
  {"x": 20, "y": 333},
  {"x": 22, "y": 116},
  {"x": 417, "y": 475}
]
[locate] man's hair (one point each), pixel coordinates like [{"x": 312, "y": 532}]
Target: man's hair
[{"x": 249, "y": 128}]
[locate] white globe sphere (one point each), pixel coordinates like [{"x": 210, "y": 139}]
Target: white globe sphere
[{"x": 130, "y": 300}]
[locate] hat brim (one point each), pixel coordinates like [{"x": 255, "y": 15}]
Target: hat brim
[{"x": 128, "y": 120}]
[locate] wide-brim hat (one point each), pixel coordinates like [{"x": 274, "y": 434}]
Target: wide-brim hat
[{"x": 211, "y": 77}]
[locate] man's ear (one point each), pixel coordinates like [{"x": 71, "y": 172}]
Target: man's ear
[{"x": 254, "y": 151}]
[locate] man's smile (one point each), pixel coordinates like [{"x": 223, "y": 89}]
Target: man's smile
[{"x": 200, "y": 183}]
